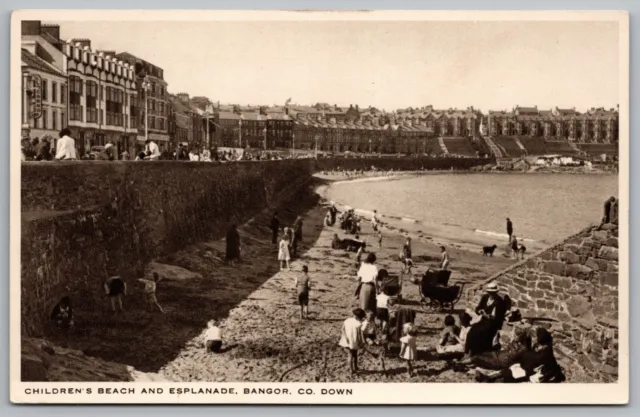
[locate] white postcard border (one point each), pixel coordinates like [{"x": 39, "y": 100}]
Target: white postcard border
[{"x": 363, "y": 393}]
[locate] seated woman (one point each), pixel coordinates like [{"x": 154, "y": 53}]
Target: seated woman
[
  {"x": 521, "y": 342},
  {"x": 336, "y": 243},
  {"x": 491, "y": 311},
  {"x": 536, "y": 365}
]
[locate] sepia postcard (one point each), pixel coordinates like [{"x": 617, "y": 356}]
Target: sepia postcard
[{"x": 319, "y": 207}]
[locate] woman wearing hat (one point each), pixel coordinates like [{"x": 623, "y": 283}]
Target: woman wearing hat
[{"x": 492, "y": 310}]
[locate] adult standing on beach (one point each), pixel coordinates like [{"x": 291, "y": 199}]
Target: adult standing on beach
[
  {"x": 233, "y": 245},
  {"x": 274, "y": 226},
  {"x": 444, "y": 258},
  {"x": 303, "y": 285},
  {"x": 367, "y": 275},
  {"x": 334, "y": 212},
  {"x": 509, "y": 228},
  {"x": 374, "y": 221},
  {"x": 297, "y": 235}
]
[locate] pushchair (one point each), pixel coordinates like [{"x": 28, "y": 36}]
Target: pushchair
[
  {"x": 435, "y": 292},
  {"x": 391, "y": 285}
]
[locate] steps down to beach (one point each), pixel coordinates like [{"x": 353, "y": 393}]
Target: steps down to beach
[
  {"x": 522, "y": 148},
  {"x": 443, "y": 146},
  {"x": 578, "y": 150},
  {"x": 494, "y": 149}
]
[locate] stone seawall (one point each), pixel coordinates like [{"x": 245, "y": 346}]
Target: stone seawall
[
  {"x": 400, "y": 164},
  {"x": 82, "y": 222},
  {"x": 572, "y": 288}
]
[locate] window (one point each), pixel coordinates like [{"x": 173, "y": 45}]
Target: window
[
  {"x": 54, "y": 92},
  {"x": 63, "y": 120},
  {"x": 54, "y": 120},
  {"x": 45, "y": 88},
  {"x": 114, "y": 106},
  {"x": 75, "y": 95},
  {"x": 63, "y": 93},
  {"x": 92, "y": 102},
  {"x": 45, "y": 118}
]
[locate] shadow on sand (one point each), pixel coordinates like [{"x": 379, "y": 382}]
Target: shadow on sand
[{"x": 147, "y": 339}]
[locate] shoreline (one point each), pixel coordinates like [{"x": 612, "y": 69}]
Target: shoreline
[{"x": 467, "y": 239}]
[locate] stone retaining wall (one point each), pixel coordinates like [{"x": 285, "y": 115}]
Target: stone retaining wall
[
  {"x": 82, "y": 222},
  {"x": 572, "y": 288},
  {"x": 400, "y": 164}
]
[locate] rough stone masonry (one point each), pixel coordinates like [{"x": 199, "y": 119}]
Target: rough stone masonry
[{"x": 572, "y": 288}]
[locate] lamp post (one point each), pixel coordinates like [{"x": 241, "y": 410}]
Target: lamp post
[
  {"x": 145, "y": 86},
  {"x": 293, "y": 144},
  {"x": 265, "y": 137},
  {"x": 316, "y": 138}
]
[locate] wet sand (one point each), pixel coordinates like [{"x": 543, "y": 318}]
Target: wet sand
[{"x": 256, "y": 305}]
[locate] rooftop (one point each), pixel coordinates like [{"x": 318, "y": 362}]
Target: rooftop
[{"x": 38, "y": 63}]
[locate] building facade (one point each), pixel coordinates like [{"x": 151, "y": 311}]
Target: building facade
[
  {"x": 152, "y": 97},
  {"x": 87, "y": 91},
  {"x": 101, "y": 88},
  {"x": 597, "y": 125},
  {"x": 44, "y": 112}
]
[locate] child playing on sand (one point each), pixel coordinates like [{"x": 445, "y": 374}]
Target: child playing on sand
[
  {"x": 351, "y": 338},
  {"x": 379, "y": 233},
  {"x": 369, "y": 328},
  {"x": 382, "y": 311},
  {"x": 450, "y": 338},
  {"x": 115, "y": 288},
  {"x": 408, "y": 347},
  {"x": 150, "y": 291},
  {"x": 303, "y": 285},
  {"x": 213, "y": 337}
]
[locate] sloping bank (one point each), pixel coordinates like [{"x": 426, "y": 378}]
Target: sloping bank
[{"x": 85, "y": 221}]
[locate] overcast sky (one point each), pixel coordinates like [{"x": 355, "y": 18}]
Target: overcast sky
[{"x": 489, "y": 65}]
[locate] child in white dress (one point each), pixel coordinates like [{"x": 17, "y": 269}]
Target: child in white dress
[
  {"x": 409, "y": 347},
  {"x": 283, "y": 253}
]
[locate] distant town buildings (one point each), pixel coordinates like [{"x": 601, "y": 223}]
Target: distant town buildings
[{"x": 108, "y": 96}]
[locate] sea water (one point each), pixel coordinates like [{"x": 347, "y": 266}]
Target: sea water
[{"x": 544, "y": 208}]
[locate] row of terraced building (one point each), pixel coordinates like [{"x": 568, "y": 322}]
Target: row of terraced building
[{"x": 466, "y": 133}]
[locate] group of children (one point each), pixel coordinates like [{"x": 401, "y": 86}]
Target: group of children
[
  {"x": 361, "y": 331},
  {"x": 116, "y": 288}
]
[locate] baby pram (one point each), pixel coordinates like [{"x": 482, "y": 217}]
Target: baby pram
[
  {"x": 391, "y": 285},
  {"x": 435, "y": 292}
]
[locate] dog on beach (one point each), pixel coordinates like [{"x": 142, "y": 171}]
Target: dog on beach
[
  {"x": 521, "y": 251},
  {"x": 488, "y": 250}
]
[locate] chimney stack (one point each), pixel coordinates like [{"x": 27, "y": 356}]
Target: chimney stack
[{"x": 52, "y": 30}]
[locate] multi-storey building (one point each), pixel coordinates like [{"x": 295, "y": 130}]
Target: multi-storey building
[
  {"x": 254, "y": 130},
  {"x": 594, "y": 126},
  {"x": 44, "y": 110},
  {"x": 152, "y": 96},
  {"x": 101, "y": 87},
  {"x": 279, "y": 130},
  {"x": 228, "y": 129}
]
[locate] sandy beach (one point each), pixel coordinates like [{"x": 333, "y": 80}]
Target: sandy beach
[{"x": 256, "y": 306}]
